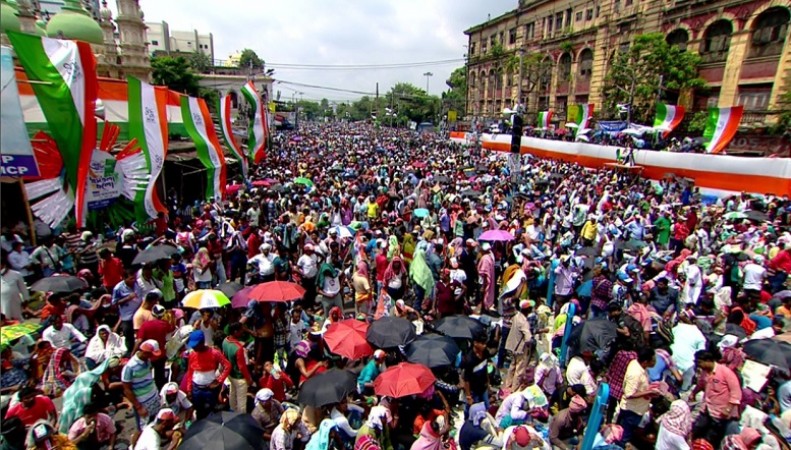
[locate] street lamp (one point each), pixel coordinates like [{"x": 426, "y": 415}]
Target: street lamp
[{"x": 427, "y": 75}]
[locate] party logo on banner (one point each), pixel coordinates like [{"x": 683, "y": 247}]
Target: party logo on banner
[
  {"x": 104, "y": 181},
  {"x": 16, "y": 153}
]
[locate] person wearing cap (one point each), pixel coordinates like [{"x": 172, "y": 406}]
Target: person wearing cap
[
  {"x": 694, "y": 283},
  {"x": 240, "y": 377},
  {"x": 156, "y": 329},
  {"x": 754, "y": 275},
  {"x": 176, "y": 400},
  {"x": 162, "y": 434},
  {"x": 139, "y": 387},
  {"x": 87, "y": 258},
  {"x": 371, "y": 370},
  {"x": 567, "y": 425},
  {"x": 202, "y": 381},
  {"x": 265, "y": 263},
  {"x": 519, "y": 343},
  {"x": 522, "y": 437},
  {"x": 267, "y": 411}
]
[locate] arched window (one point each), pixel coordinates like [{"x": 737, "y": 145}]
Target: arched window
[
  {"x": 498, "y": 76},
  {"x": 717, "y": 41},
  {"x": 472, "y": 80},
  {"x": 769, "y": 32},
  {"x": 564, "y": 68},
  {"x": 492, "y": 81},
  {"x": 586, "y": 63},
  {"x": 679, "y": 38}
]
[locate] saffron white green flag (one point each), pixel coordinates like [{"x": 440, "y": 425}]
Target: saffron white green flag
[
  {"x": 544, "y": 118},
  {"x": 64, "y": 80},
  {"x": 148, "y": 124},
  {"x": 224, "y": 108},
  {"x": 667, "y": 118},
  {"x": 721, "y": 127},
  {"x": 199, "y": 126},
  {"x": 256, "y": 143}
]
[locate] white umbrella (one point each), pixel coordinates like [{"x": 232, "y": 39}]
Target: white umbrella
[
  {"x": 583, "y": 131},
  {"x": 632, "y": 132},
  {"x": 583, "y": 138},
  {"x": 572, "y": 125},
  {"x": 343, "y": 232}
]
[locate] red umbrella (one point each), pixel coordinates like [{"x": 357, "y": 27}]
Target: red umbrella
[
  {"x": 419, "y": 165},
  {"x": 277, "y": 291},
  {"x": 241, "y": 298},
  {"x": 347, "y": 338},
  {"x": 261, "y": 183},
  {"x": 404, "y": 379}
]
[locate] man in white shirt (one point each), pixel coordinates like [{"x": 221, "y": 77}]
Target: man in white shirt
[
  {"x": 694, "y": 283},
  {"x": 62, "y": 335},
  {"x": 253, "y": 214},
  {"x": 308, "y": 267},
  {"x": 20, "y": 261},
  {"x": 13, "y": 291},
  {"x": 687, "y": 340},
  {"x": 754, "y": 273},
  {"x": 264, "y": 261},
  {"x": 161, "y": 434},
  {"x": 578, "y": 372}
]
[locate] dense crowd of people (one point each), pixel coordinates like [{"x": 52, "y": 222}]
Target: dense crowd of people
[{"x": 576, "y": 278}]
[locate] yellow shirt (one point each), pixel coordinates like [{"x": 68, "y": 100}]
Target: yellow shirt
[
  {"x": 373, "y": 210},
  {"x": 635, "y": 380},
  {"x": 589, "y": 231}
]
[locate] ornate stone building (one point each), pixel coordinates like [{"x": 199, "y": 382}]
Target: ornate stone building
[
  {"x": 119, "y": 45},
  {"x": 746, "y": 57}
]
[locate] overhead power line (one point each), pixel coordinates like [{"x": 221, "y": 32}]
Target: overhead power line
[{"x": 407, "y": 65}]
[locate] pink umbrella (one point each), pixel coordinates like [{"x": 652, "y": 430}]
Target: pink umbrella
[
  {"x": 232, "y": 188},
  {"x": 496, "y": 235},
  {"x": 261, "y": 183}
]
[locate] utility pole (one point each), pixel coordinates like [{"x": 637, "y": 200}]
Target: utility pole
[{"x": 427, "y": 75}]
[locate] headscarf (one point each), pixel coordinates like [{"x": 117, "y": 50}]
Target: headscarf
[
  {"x": 390, "y": 272},
  {"x": 302, "y": 349},
  {"x": 325, "y": 270},
  {"x": 335, "y": 314},
  {"x": 477, "y": 413},
  {"x": 362, "y": 269},
  {"x": 55, "y": 375},
  {"x": 78, "y": 395},
  {"x": 420, "y": 272},
  {"x": 678, "y": 419},
  {"x": 428, "y": 440},
  {"x": 320, "y": 440},
  {"x": 577, "y": 404},
  {"x": 100, "y": 351},
  {"x": 409, "y": 246}
]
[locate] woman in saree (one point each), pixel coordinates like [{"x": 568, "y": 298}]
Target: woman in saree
[{"x": 62, "y": 370}]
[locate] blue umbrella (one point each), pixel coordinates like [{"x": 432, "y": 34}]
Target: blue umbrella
[{"x": 420, "y": 213}]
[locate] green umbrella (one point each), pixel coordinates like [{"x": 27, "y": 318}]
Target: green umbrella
[
  {"x": 736, "y": 215},
  {"x": 303, "y": 181}
]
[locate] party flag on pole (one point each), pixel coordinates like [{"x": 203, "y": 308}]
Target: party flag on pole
[
  {"x": 199, "y": 126},
  {"x": 667, "y": 118},
  {"x": 544, "y": 118},
  {"x": 224, "y": 108},
  {"x": 256, "y": 143},
  {"x": 721, "y": 127}
]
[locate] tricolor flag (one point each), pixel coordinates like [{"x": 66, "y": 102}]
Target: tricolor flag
[
  {"x": 148, "y": 124},
  {"x": 584, "y": 115},
  {"x": 200, "y": 127},
  {"x": 544, "y": 118},
  {"x": 227, "y": 132},
  {"x": 721, "y": 127},
  {"x": 667, "y": 118},
  {"x": 256, "y": 143},
  {"x": 64, "y": 81}
]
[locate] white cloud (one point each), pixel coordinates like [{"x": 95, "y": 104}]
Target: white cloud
[{"x": 336, "y": 32}]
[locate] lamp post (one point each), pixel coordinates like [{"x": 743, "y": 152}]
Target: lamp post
[{"x": 427, "y": 75}]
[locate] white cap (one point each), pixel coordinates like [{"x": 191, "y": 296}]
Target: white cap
[
  {"x": 486, "y": 246},
  {"x": 264, "y": 395}
]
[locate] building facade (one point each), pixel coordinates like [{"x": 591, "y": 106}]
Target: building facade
[
  {"x": 162, "y": 39},
  {"x": 743, "y": 45}
]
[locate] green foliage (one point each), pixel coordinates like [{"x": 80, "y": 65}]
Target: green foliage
[
  {"x": 175, "y": 73},
  {"x": 456, "y": 97},
  {"x": 211, "y": 96},
  {"x": 697, "y": 122},
  {"x": 200, "y": 62},
  {"x": 250, "y": 59},
  {"x": 566, "y": 46},
  {"x": 784, "y": 123},
  {"x": 497, "y": 50},
  {"x": 637, "y": 74}
]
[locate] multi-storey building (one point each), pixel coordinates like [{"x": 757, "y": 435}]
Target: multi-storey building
[{"x": 743, "y": 45}]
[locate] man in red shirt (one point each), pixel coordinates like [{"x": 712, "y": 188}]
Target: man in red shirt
[
  {"x": 201, "y": 378},
  {"x": 722, "y": 397},
  {"x": 781, "y": 264},
  {"x": 111, "y": 269},
  {"x": 158, "y": 330},
  {"x": 32, "y": 408}
]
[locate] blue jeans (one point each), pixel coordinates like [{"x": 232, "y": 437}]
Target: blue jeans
[
  {"x": 629, "y": 420},
  {"x": 420, "y": 294},
  {"x": 477, "y": 398},
  {"x": 205, "y": 399}
]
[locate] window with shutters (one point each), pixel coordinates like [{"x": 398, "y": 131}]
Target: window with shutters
[
  {"x": 769, "y": 32},
  {"x": 586, "y": 63},
  {"x": 578, "y": 18},
  {"x": 717, "y": 41},
  {"x": 512, "y": 36},
  {"x": 589, "y": 14},
  {"x": 679, "y": 38}
]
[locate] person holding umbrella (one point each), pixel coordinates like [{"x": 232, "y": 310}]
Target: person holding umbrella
[{"x": 202, "y": 381}]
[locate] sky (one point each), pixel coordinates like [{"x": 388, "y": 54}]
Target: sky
[{"x": 337, "y": 32}]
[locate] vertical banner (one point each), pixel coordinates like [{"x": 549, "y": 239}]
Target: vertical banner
[
  {"x": 544, "y": 119},
  {"x": 201, "y": 129},
  {"x": 64, "y": 80},
  {"x": 148, "y": 125},
  {"x": 224, "y": 108},
  {"x": 668, "y": 117},
  {"x": 16, "y": 153},
  {"x": 256, "y": 143}
]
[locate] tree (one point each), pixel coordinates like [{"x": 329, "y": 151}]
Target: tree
[
  {"x": 211, "y": 96},
  {"x": 175, "y": 73},
  {"x": 249, "y": 59},
  {"x": 456, "y": 97},
  {"x": 649, "y": 68},
  {"x": 408, "y": 100},
  {"x": 200, "y": 62},
  {"x": 536, "y": 72},
  {"x": 697, "y": 122}
]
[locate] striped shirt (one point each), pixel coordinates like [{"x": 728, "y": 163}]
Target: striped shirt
[{"x": 138, "y": 373}]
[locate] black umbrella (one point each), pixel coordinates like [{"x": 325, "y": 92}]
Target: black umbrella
[
  {"x": 769, "y": 352},
  {"x": 327, "y": 388},
  {"x": 459, "y": 327},
  {"x": 432, "y": 350},
  {"x": 390, "y": 332},
  {"x": 442, "y": 179},
  {"x": 757, "y": 216},
  {"x": 597, "y": 336},
  {"x": 634, "y": 245},
  {"x": 782, "y": 294},
  {"x": 59, "y": 283},
  {"x": 155, "y": 253},
  {"x": 224, "y": 431},
  {"x": 230, "y": 288}
]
